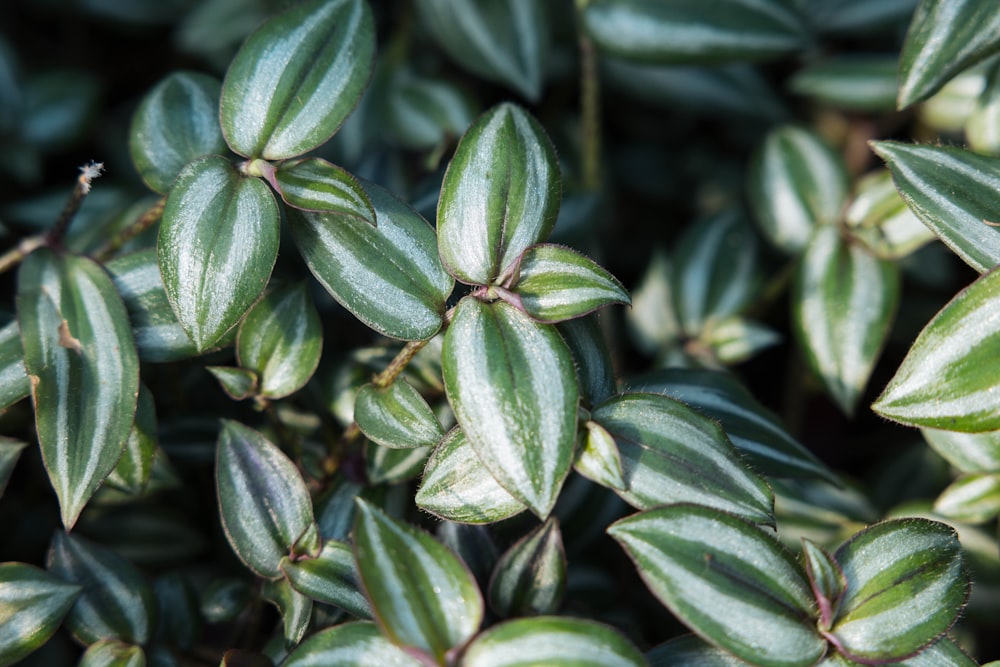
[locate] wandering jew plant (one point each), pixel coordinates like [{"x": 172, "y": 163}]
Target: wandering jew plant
[{"x": 503, "y": 333}]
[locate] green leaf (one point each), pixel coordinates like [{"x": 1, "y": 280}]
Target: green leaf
[
  {"x": 389, "y": 277},
  {"x": 396, "y": 416},
  {"x": 906, "y": 585},
  {"x": 180, "y": 619},
  {"x": 392, "y": 466},
  {"x": 297, "y": 78},
  {"x": 423, "y": 113},
  {"x": 504, "y": 41},
  {"x": 349, "y": 645},
  {"x": 553, "y": 283},
  {"x": 530, "y": 577},
  {"x": 500, "y": 195},
  {"x": 281, "y": 340},
  {"x": 982, "y": 128},
  {"x": 954, "y": 192},
  {"x": 670, "y": 454},
  {"x": 688, "y": 31},
  {"x": 948, "y": 379},
  {"x": 330, "y": 577},
  {"x": 880, "y": 219},
  {"x": 554, "y": 641},
  {"x": 972, "y": 498},
  {"x": 10, "y": 452},
  {"x": 458, "y": 487},
  {"x": 727, "y": 580},
  {"x": 79, "y": 352},
  {"x": 313, "y": 184},
  {"x": 854, "y": 82},
  {"x": 826, "y": 579},
  {"x": 858, "y": 16},
  {"x": 294, "y": 607},
  {"x": 116, "y": 603},
  {"x": 14, "y": 384},
  {"x": 177, "y": 121},
  {"x": 595, "y": 371},
  {"x": 218, "y": 243},
  {"x": 843, "y": 304},
  {"x": 113, "y": 653},
  {"x": 238, "y": 383},
  {"x": 136, "y": 463},
  {"x": 517, "y": 405},
  {"x": 265, "y": 506},
  {"x": 692, "y": 651},
  {"x": 796, "y": 183},
  {"x": 33, "y": 604},
  {"x": 735, "y": 339},
  {"x": 945, "y": 37},
  {"x": 968, "y": 452},
  {"x": 598, "y": 459},
  {"x": 424, "y": 597}
]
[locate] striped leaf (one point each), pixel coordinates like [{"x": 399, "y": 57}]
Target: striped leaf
[
  {"x": 968, "y": 452},
  {"x": 79, "y": 352},
  {"x": 136, "y": 463},
  {"x": 10, "y": 452},
  {"x": 457, "y": 486},
  {"x": 880, "y": 219},
  {"x": 113, "y": 653},
  {"x": 500, "y": 195},
  {"x": 349, "y": 645},
  {"x": 692, "y": 651},
  {"x": 671, "y": 454},
  {"x": 423, "y": 113},
  {"x": 727, "y": 580},
  {"x": 265, "y": 506},
  {"x": 843, "y": 304},
  {"x": 297, "y": 78},
  {"x": 796, "y": 182},
  {"x": 595, "y": 371},
  {"x": 517, "y": 402},
  {"x": 949, "y": 378},
  {"x": 858, "y": 16},
  {"x": 314, "y": 184},
  {"x": 972, "y": 498},
  {"x": 552, "y": 640},
  {"x": 424, "y": 597},
  {"x": 530, "y": 577},
  {"x": 238, "y": 383},
  {"x": 396, "y": 416},
  {"x": 598, "y": 459},
  {"x": 853, "y": 82},
  {"x": 331, "y": 577},
  {"x": 827, "y": 581},
  {"x": 218, "y": 243},
  {"x": 955, "y": 192},
  {"x": 295, "y": 608},
  {"x": 33, "y": 604},
  {"x": 384, "y": 465},
  {"x": 14, "y": 383},
  {"x": 906, "y": 585}
]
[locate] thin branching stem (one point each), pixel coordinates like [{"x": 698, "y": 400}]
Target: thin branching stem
[
  {"x": 398, "y": 364},
  {"x": 144, "y": 222}
]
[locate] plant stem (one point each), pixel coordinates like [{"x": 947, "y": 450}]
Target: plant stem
[
  {"x": 145, "y": 221},
  {"x": 16, "y": 255},
  {"x": 398, "y": 364},
  {"x": 590, "y": 106}
]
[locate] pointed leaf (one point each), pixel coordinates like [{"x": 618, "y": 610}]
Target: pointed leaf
[
  {"x": 392, "y": 466},
  {"x": 598, "y": 459},
  {"x": 314, "y": 184},
  {"x": 263, "y": 500},
  {"x": 238, "y": 383},
  {"x": 670, "y": 454},
  {"x": 796, "y": 183},
  {"x": 136, "y": 464},
  {"x": 10, "y": 452},
  {"x": 735, "y": 339},
  {"x": 505, "y": 41},
  {"x": 879, "y": 217},
  {"x": 727, "y": 580},
  {"x": 827, "y": 581},
  {"x": 968, "y": 452},
  {"x": 594, "y": 368},
  {"x": 552, "y": 640},
  {"x": 530, "y": 578},
  {"x": 294, "y": 607},
  {"x": 423, "y": 596},
  {"x": 954, "y": 192},
  {"x": 33, "y": 604},
  {"x": 945, "y": 37},
  {"x": 349, "y": 645},
  {"x": 218, "y": 242},
  {"x": 906, "y": 585},
  {"x": 79, "y": 352},
  {"x": 423, "y": 113},
  {"x": 297, "y": 78},
  {"x": 116, "y": 603},
  {"x": 177, "y": 121},
  {"x": 972, "y": 498},
  {"x": 843, "y": 304},
  {"x": 855, "y": 82},
  {"x": 458, "y": 487},
  {"x": 500, "y": 195},
  {"x": 396, "y": 416},
  {"x": 688, "y": 31},
  {"x": 330, "y": 577},
  {"x": 14, "y": 383},
  {"x": 113, "y": 653},
  {"x": 948, "y": 379},
  {"x": 517, "y": 403},
  {"x": 943, "y": 653},
  {"x": 281, "y": 339},
  {"x": 389, "y": 277},
  {"x": 555, "y": 283}
]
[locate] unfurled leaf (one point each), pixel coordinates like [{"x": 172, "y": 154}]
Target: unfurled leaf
[
  {"x": 33, "y": 604},
  {"x": 553, "y": 283},
  {"x": 954, "y": 192},
  {"x": 177, "y": 122},
  {"x": 423, "y": 596},
  {"x": 948, "y": 379},
  {"x": 552, "y": 640},
  {"x": 500, "y": 195},
  {"x": 384, "y": 465},
  {"x": 517, "y": 404},
  {"x": 10, "y": 452},
  {"x": 972, "y": 498},
  {"x": 505, "y": 41},
  {"x": 945, "y": 37},
  {"x": 113, "y": 653},
  {"x": 598, "y": 459},
  {"x": 692, "y": 651},
  {"x": 906, "y": 585},
  {"x": 14, "y": 383},
  {"x": 297, "y": 78},
  {"x": 671, "y": 454},
  {"x": 880, "y": 219},
  {"x": 349, "y": 645},
  {"x": 265, "y": 506},
  {"x": 396, "y": 416},
  {"x": 223, "y": 599},
  {"x": 313, "y": 184},
  {"x": 796, "y": 183},
  {"x": 735, "y": 339},
  {"x": 389, "y": 277},
  {"x": 238, "y": 383},
  {"x": 530, "y": 578},
  {"x": 330, "y": 577},
  {"x": 652, "y": 318},
  {"x": 688, "y": 31},
  {"x": 827, "y": 581},
  {"x": 294, "y": 607},
  {"x": 854, "y": 82},
  {"x": 968, "y": 452},
  {"x": 843, "y": 303},
  {"x": 595, "y": 371},
  {"x": 943, "y": 653},
  {"x": 422, "y": 113},
  {"x": 727, "y": 580},
  {"x": 136, "y": 464},
  {"x": 281, "y": 339},
  {"x": 458, "y": 487},
  {"x": 116, "y": 601},
  {"x": 218, "y": 242},
  {"x": 79, "y": 352}
]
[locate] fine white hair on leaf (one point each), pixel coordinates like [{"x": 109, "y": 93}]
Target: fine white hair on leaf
[{"x": 88, "y": 173}]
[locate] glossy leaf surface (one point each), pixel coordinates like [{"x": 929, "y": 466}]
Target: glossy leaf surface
[
  {"x": 530, "y": 577},
  {"x": 384, "y": 465},
  {"x": 826, "y": 578},
  {"x": 396, "y": 416},
  {"x": 113, "y": 653},
  {"x": 349, "y": 645},
  {"x": 880, "y": 219},
  {"x": 594, "y": 368},
  {"x": 691, "y": 651},
  {"x": 968, "y": 452},
  {"x": 294, "y": 607},
  {"x": 314, "y": 184},
  {"x": 598, "y": 458},
  {"x": 238, "y": 383},
  {"x": 972, "y": 498},
  {"x": 10, "y": 452},
  {"x": 136, "y": 463},
  {"x": 422, "y": 113},
  {"x": 14, "y": 384},
  {"x": 330, "y": 577},
  {"x": 33, "y": 604},
  {"x": 856, "y": 82}
]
